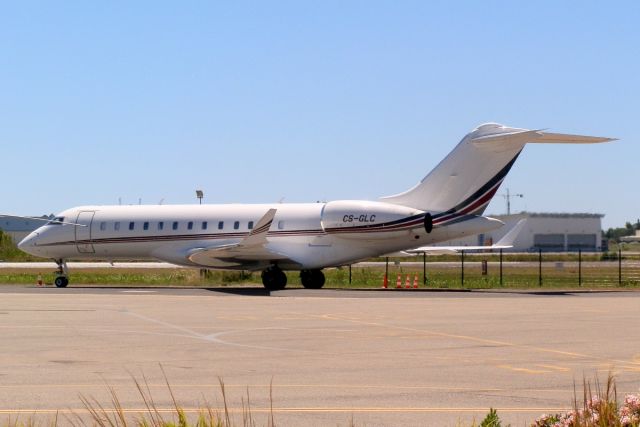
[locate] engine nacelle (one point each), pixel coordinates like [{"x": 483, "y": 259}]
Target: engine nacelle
[{"x": 342, "y": 216}]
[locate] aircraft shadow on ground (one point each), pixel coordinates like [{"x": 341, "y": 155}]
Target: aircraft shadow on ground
[{"x": 257, "y": 292}]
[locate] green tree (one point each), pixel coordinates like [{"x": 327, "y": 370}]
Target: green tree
[{"x": 9, "y": 250}]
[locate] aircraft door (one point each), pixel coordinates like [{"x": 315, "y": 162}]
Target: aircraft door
[{"x": 83, "y": 234}]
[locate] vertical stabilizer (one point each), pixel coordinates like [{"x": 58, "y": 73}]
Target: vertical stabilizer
[{"x": 468, "y": 178}]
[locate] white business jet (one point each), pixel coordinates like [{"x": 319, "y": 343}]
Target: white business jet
[{"x": 447, "y": 204}]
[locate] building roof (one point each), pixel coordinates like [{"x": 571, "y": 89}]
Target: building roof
[
  {"x": 553, "y": 215},
  {"x": 21, "y": 224}
]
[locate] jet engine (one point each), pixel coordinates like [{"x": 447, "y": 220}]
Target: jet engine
[{"x": 350, "y": 217}]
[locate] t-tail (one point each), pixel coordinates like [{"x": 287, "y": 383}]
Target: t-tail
[{"x": 467, "y": 179}]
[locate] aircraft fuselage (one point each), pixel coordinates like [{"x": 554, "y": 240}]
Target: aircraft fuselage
[{"x": 307, "y": 235}]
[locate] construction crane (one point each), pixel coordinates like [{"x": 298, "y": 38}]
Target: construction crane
[{"x": 508, "y": 197}]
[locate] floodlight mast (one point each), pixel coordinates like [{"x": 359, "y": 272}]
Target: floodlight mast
[{"x": 199, "y": 195}]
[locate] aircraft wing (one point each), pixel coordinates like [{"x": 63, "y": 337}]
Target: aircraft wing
[
  {"x": 505, "y": 243},
  {"x": 253, "y": 248}
]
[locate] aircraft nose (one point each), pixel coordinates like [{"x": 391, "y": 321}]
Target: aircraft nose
[{"x": 28, "y": 242}]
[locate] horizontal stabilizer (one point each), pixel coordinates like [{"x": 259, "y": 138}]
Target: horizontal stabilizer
[
  {"x": 539, "y": 137},
  {"x": 505, "y": 243}
]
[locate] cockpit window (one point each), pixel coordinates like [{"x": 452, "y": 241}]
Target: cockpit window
[{"x": 56, "y": 221}]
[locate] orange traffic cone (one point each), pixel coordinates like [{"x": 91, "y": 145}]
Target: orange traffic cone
[
  {"x": 415, "y": 282},
  {"x": 385, "y": 282},
  {"x": 407, "y": 283},
  {"x": 399, "y": 282},
  {"x": 39, "y": 279}
]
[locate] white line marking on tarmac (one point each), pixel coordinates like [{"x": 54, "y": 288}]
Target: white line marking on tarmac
[
  {"x": 138, "y": 292},
  {"x": 214, "y": 338}
]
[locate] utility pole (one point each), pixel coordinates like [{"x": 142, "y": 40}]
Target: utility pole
[{"x": 508, "y": 197}]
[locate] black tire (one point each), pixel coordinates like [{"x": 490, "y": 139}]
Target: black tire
[
  {"x": 274, "y": 279},
  {"x": 312, "y": 279},
  {"x": 61, "y": 282}
]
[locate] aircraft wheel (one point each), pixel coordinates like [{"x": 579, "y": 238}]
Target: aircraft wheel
[
  {"x": 61, "y": 282},
  {"x": 274, "y": 279},
  {"x": 312, "y": 279}
]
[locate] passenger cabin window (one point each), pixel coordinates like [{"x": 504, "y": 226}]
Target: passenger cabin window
[
  {"x": 175, "y": 225},
  {"x": 103, "y": 226},
  {"x": 116, "y": 226},
  {"x": 220, "y": 225},
  {"x": 132, "y": 225},
  {"x": 236, "y": 225},
  {"x": 145, "y": 226},
  {"x": 161, "y": 225},
  {"x": 250, "y": 225},
  {"x": 190, "y": 225},
  {"x": 204, "y": 225},
  {"x": 280, "y": 225}
]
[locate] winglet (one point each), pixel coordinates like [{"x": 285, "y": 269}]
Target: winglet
[{"x": 259, "y": 233}]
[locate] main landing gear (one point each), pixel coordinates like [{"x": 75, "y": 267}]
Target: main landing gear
[
  {"x": 62, "y": 279},
  {"x": 312, "y": 279},
  {"x": 274, "y": 279}
]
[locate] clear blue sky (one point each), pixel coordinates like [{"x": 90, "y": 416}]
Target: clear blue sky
[{"x": 306, "y": 101}]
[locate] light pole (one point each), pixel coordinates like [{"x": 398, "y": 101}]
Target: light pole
[{"x": 199, "y": 195}]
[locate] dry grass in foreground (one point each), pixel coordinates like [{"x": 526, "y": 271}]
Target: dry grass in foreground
[{"x": 598, "y": 407}]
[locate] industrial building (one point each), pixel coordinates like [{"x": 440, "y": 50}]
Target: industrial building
[
  {"x": 549, "y": 232},
  {"x": 19, "y": 228}
]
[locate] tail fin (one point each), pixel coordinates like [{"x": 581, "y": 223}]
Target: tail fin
[{"x": 468, "y": 178}]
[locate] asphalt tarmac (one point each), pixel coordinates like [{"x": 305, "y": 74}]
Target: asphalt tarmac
[{"x": 379, "y": 358}]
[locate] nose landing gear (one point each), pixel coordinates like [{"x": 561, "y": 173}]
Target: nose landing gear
[{"x": 62, "y": 277}]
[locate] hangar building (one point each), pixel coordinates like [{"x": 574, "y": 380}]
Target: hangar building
[{"x": 550, "y": 232}]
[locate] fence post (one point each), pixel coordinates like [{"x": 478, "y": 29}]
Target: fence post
[
  {"x": 424, "y": 269},
  {"x": 386, "y": 268},
  {"x": 540, "y": 267},
  {"x": 462, "y": 268},
  {"x": 349, "y": 273},
  {"x": 579, "y": 267},
  {"x": 500, "y": 267},
  {"x": 619, "y": 267}
]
